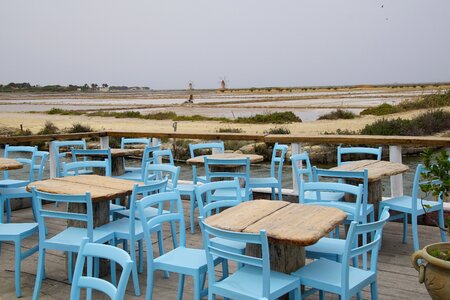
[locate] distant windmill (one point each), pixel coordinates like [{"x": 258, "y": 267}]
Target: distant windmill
[
  {"x": 223, "y": 83},
  {"x": 190, "y": 85}
]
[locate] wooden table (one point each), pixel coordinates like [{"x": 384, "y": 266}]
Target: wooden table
[
  {"x": 199, "y": 160},
  {"x": 376, "y": 170},
  {"x": 118, "y": 159},
  {"x": 9, "y": 164},
  {"x": 102, "y": 190},
  {"x": 289, "y": 226}
]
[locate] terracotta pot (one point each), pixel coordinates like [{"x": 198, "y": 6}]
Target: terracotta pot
[{"x": 436, "y": 273}]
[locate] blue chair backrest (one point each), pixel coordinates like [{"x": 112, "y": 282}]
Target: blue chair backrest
[
  {"x": 16, "y": 152},
  {"x": 134, "y": 141},
  {"x": 44, "y": 213},
  {"x": 416, "y": 190},
  {"x": 58, "y": 156},
  {"x": 206, "y": 146},
  {"x": 88, "y": 164},
  {"x": 354, "y": 249},
  {"x": 147, "y": 156},
  {"x": 86, "y": 153},
  {"x": 357, "y": 150},
  {"x": 171, "y": 199},
  {"x": 318, "y": 187},
  {"x": 209, "y": 204},
  {"x": 163, "y": 155},
  {"x": 40, "y": 167},
  {"x": 302, "y": 166},
  {"x": 144, "y": 190},
  {"x": 361, "y": 175},
  {"x": 240, "y": 170},
  {"x": 162, "y": 171},
  {"x": 217, "y": 250},
  {"x": 278, "y": 155},
  {"x": 94, "y": 250}
]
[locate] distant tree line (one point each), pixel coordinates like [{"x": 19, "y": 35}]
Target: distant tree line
[{"x": 93, "y": 87}]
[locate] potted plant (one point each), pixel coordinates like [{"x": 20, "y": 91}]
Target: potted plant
[{"x": 436, "y": 272}]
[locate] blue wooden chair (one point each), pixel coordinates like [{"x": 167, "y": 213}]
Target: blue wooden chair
[
  {"x": 273, "y": 181},
  {"x": 203, "y": 148},
  {"x": 340, "y": 277},
  {"x": 254, "y": 280},
  {"x": 182, "y": 260},
  {"x": 234, "y": 168},
  {"x": 15, "y": 233},
  {"x": 415, "y": 206},
  {"x": 302, "y": 168},
  {"x": 92, "y": 250},
  {"x": 144, "y": 142},
  {"x": 207, "y": 206},
  {"x": 357, "y": 150},
  {"x": 69, "y": 239},
  {"x": 137, "y": 174},
  {"x": 60, "y": 156},
  {"x": 7, "y": 194},
  {"x": 185, "y": 189},
  {"x": 130, "y": 229}
]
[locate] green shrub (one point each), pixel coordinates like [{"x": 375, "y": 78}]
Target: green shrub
[
  {"x": 381, "y": 110},
  {"x": 230, "y": 130},
  {"x": 78, "y": 127},
  {"x": 278, "y": 130},
  {"x": 338, "y": 114},
  {"x": 49, "y": 128},
  {"x": 284, "y": 117}
]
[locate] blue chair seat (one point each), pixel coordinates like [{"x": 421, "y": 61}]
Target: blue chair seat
[
  {"x": 248, "y": 280},
  {"x": 186, "y": 188},
  {"x": 13, "y": 183},
  {"x": 227, "y": 194},
  {"x": 19, "y": 192},
  {"x": 325, "y": 196},
  {"x": 121, "y": 228},
  {"x": 327, "y": 274},
  {"x": 263, "y": 181},
  {"x": 115, "y": 207},
  {"x": 72, "y": 237},
  {"x": 15, "y": 229},
  {"x": 327, "y": 248},
  {"x": 403, "y": 203},
  {"x": 229, "y": 245},
  {"x": 175, "y": 260}
]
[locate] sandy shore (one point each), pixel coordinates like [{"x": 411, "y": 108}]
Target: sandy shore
[{"x": 35, "y": 121}]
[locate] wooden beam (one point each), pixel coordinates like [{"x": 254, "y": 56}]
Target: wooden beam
[{"x": 200, "y": 136}]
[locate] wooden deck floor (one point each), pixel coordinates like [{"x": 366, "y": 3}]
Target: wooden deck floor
[{"x": 397, "y": 278}]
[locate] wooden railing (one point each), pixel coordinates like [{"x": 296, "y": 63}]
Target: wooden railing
[{"x": 395, "y": 143}]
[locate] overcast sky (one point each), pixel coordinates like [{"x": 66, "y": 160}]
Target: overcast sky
[{"x": 165, "y": 44}]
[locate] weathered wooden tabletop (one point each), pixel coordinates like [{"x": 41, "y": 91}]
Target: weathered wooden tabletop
[
  {"x": 9, "y": 164},
  {"x": 199, "y": 160},
  {"x": 102, "y": 188},
  {"x": 284, "y": 222},
  {"x": 115, "y": 152},
  {"x": 375, "y": 168}
]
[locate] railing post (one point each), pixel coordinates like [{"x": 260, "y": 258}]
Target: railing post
[
  {"x": 155, "y": 142},
  {"x": 104, "y": 142},
  {"x": 295, "y": 149},
  {"x": 51, "y": 160},
  {"x": 395, "y": 155}
]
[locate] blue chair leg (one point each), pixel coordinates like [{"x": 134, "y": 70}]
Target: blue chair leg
[
  {"x": 89, "y": 273},
  {"x": 273, "y": 197},
  {"x": 405, "y": 227},
  {"x": 161, "y": 248},
  {"x": 39, "y": 275},
  {"x": 280, "y": 193},
  {"x": 134, "y": 272},
  {"x": 197, "y": 287},
  {"x": 415, "y": 233},
  {"x": 149, "y": 289},
  {"x": 8, "y": 211},
  {"x": 374, "y": 290},
  {"x": 69, "y": 267},
  {"x": 2, "y": 208},
  {"x": 141, "y": 256},
  {"x": 442, "y": 225},
  {"x": 192, "y": 211},
  {"x": 18, "y": 259},
  {"x": 181, "y": 286}
]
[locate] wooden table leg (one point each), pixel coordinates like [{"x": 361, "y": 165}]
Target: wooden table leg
[
  {"x": 117, "y": 166},
  {"x": 285, "y": 258},
  {"x": 375, "y": 191}
]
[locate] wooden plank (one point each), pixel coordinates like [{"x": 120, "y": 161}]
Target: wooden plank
[
  {"x": 359, "y": 139},
  {"x": 299, "y": 224},
  {"x": 199, "y": 160},
  {"x": 197, "y": 136},
  {"x": 58, "y": 186},
  {"x": 9, "y": 164},
  {"x": 49, "y": 137},
  {"x": 102, "y": 181},
  {"x": 239, "y": 217}
]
